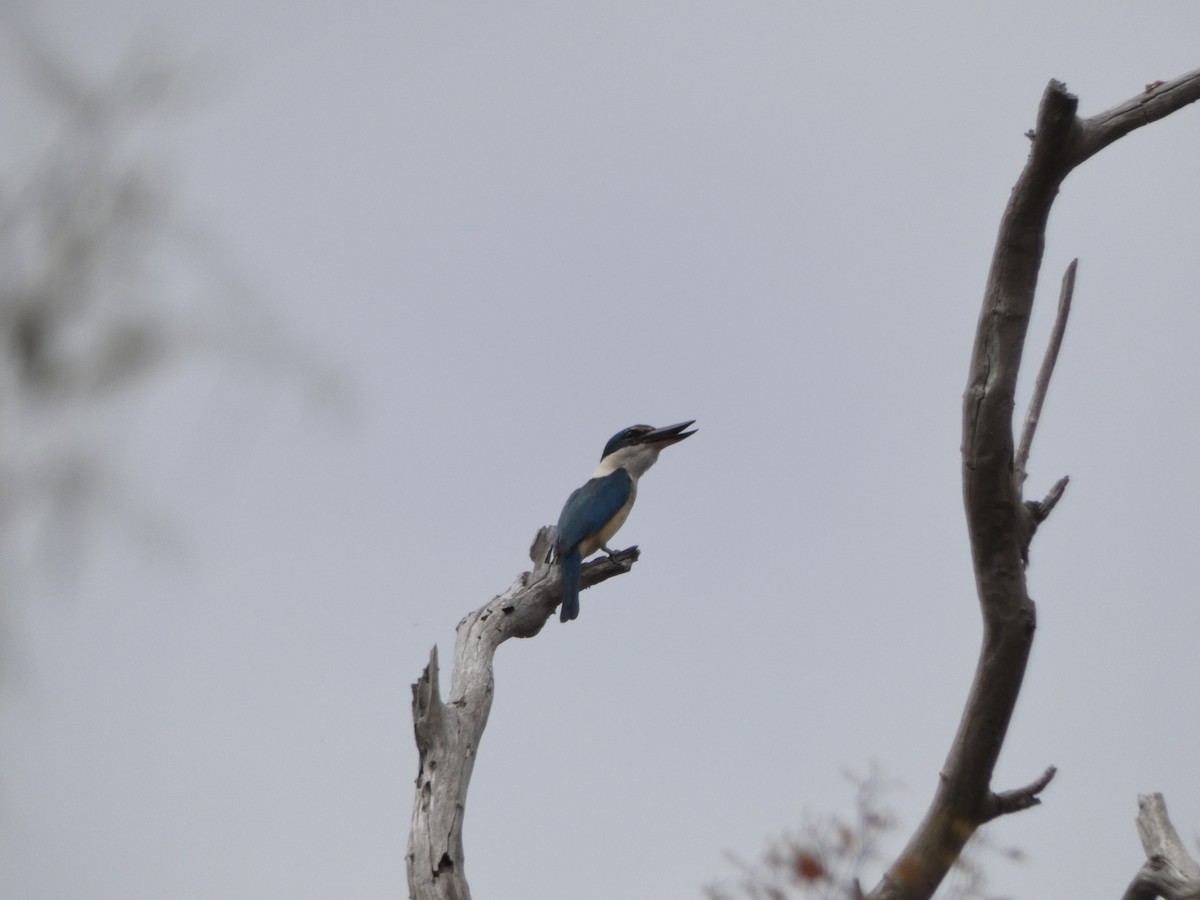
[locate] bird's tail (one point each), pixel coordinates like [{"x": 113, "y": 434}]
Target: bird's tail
[{"x": 571, "y": 565}]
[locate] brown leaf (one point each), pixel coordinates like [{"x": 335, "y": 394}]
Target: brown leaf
[{"x": 808, "y": 866}]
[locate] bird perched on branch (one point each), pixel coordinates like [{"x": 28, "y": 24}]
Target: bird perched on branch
[{"x": 594, "y": 512}]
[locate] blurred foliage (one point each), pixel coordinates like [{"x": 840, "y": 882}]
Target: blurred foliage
[
  {"x": 89, "y": 299},
  {"x": 834, "y": 858},
  {"x": 104, "y": 284}
]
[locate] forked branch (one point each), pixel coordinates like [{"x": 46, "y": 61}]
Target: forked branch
[{"x": 999, "y": 522}]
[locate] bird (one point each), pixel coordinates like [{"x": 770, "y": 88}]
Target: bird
[{"x": 594, "y": 512}]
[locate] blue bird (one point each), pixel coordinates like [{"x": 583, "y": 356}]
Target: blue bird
[{"x": 594, "y": 512}]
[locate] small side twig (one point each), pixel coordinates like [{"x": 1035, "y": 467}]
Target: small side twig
[
  {"x": 1045, "y": 373},
  {"x": 1022, "y": 798},
  {"x": 1040, "y": 510}
]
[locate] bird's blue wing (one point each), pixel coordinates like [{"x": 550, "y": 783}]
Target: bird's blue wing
[{"x": 589, "y": 508}]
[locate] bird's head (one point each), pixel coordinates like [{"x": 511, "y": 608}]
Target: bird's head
[{"x": 637, "y": 447}]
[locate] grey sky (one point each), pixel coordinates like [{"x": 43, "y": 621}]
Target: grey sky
[{"x": 515, "y": 228}]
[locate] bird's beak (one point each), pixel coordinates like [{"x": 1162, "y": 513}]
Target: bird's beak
[{"x": 672, "y": 434}]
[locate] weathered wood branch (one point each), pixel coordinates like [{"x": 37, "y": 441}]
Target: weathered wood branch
[
  {"x": 999, "y": 523},
  {"x": 1157, "y": 101},
  {"x": 448, "y": 732},
  {"x": 1169, "y": 871}
]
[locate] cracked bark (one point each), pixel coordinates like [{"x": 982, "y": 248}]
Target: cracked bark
[
  {"x": 448, "y": 733},
  {"x": 999, "y": 522}
]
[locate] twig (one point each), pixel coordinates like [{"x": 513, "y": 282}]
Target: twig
[
  {"x": 1045, "y": 373},
  {"x": 1022, "y": 798},
  {"x": 1039, "y": 510}
]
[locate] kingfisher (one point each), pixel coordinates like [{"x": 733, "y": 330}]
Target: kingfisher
[{"x": 594, "y": 512}]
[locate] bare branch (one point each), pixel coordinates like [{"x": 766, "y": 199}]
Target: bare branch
[
  {"x": 1039, "y": 510},
  {"x": 448, "y": 734},
  {"x": 1157, "y": 101},
  {"x": 1169, "y": 871},
  {"x": 1046, "y": 372},
  {"x": 1022, "y": 798},
  {"x": 1000, "y": 525}
]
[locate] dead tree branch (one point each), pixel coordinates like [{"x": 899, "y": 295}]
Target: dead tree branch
[
  {"x": 1169, "y": 871},
  {"x": 1000, "y": 524},
  {"x": 1042, "y": 384},
  {"x": 448, "y": 732}
]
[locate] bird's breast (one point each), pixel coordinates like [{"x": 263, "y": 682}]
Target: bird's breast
[{"x": 591, "y": 544}]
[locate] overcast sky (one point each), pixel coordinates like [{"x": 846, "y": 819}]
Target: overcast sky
[{"x": 512, "y": 229}]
